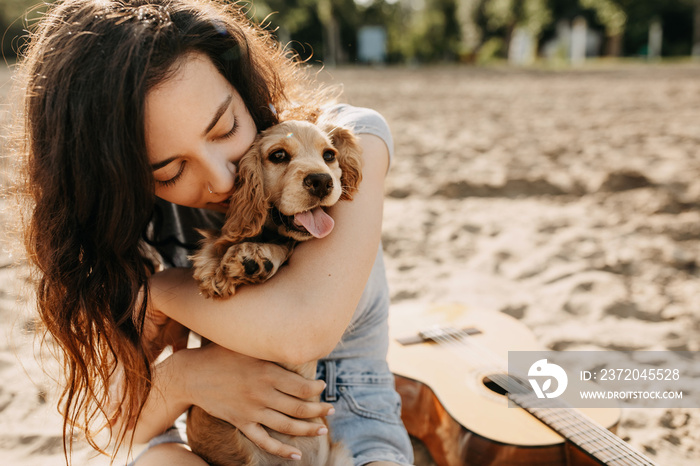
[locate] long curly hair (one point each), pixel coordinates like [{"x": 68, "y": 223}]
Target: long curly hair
[{"x": 87, "y": 182}]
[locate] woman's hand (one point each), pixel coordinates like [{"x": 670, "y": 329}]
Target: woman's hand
[{"x": 250, "y": 393}]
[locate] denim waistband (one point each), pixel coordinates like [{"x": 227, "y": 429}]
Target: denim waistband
[{"x": 356, "y": 371}]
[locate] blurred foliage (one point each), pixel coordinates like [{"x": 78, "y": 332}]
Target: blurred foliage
[
  {"x": 433, "y": 30},
  {"x": 430, "y": 30},
  {"x": 532, "y": 15},
  {"x": 609, "y": 13},
  {"x": 14, "y": 17}
]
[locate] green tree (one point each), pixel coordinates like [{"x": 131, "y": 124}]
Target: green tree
[
  {"x": 321, "y": 29},
  {"x": 696, "y": 28},
  {"x": 501, "y": 17},
  {"x": 15, "y": 17},
  {"x": 676, "y": 17},
  {"x": 435, "y": 32},
  {"x": 471, "y": 34},
  {"x": 611, "y": 14}
]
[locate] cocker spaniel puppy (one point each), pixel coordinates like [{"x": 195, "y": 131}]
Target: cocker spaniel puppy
[{"x": 291, "y": 173}]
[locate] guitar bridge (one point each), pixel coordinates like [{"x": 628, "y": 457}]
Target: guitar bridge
[{"x": 438, "y": 334}]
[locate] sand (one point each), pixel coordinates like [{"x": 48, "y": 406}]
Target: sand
[{"x": 567, "y": 199}]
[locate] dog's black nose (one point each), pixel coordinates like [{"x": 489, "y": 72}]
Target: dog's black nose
[{"x": 318, "y": 184}]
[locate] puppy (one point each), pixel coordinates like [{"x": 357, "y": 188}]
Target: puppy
[{"x": 291, "y": 173}]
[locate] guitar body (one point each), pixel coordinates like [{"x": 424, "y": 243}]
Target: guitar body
[
  {"x": 450, "y": 404},
  {"x": 451, "y": 444}
]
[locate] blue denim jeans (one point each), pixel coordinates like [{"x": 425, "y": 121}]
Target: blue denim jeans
[
  {"x": 368, "y": 410},
  {"x": 360, "y": 385}
]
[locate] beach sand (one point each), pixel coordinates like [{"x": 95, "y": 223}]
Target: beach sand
[{"x": 569, "y": 200}]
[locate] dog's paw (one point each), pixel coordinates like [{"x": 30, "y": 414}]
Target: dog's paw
[
  {"x": 243, "y": 263},
  {"x": 248, "y": 263},
  {"x": 213, "y": 284}
]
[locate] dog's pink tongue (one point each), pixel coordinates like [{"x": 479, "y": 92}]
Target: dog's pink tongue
[{"x": 316, "y": 221}]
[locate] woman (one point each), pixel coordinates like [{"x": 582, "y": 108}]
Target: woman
[{"x": 135, "y": 115}]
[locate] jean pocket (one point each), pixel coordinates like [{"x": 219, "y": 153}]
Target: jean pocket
[{"x": 379, "y": 402}]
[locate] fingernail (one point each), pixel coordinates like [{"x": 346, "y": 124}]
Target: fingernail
[
  {"x": 322, "y": 431},
  {"x": 331, "y": 412},
  {"x": 295, "y": 457}
]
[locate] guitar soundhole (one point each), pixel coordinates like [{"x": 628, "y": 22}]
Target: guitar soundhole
[{"x": 494, "y": 386}]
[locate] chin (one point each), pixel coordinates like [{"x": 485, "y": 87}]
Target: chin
[{"x": 222, "y": 208}]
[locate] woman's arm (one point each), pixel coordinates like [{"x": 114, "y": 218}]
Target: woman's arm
[
  {"x": 301, "y": 313},
  {"x": 256, "y": 393}
]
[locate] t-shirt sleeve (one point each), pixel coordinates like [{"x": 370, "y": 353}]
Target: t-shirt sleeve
[{"x": 362, "y": 121}]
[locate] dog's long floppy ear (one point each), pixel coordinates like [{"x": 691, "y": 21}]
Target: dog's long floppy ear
[
  {"x": 349, "y": 158},
  {"x": 248, "y": 208}
]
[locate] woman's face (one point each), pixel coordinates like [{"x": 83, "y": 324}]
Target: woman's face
[{"x": 197, "y": 129}]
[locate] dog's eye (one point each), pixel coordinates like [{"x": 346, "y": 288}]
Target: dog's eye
[
  {"x": 279, "y": 156},
  {"x": 329, "y": 156}
]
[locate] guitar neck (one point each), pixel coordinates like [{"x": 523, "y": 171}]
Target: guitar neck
[{"x": 596, "y": 441}]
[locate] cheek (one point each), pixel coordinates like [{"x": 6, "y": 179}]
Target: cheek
[
  {"x": 336, "y": 172},
  {"x": 243, "y": 141},
  {"x": 182, "y": 193}
]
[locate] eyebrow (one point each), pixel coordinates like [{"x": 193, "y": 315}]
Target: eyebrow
[
  {"x": 162, "y": 163},
  {"x": 219, "y": 112}
]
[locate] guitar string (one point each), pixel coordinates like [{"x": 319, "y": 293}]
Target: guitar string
[
  {"x": 614, "y": 445},
  {"x": 610, "y": 441}
]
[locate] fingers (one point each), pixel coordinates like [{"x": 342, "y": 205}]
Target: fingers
[
  {"x": 287, "y": 425},
  {"x": 262, "y": 439},
  {"x": 295, "y": 385},
  {"x": 294, "y": 390},
  {"x": 300, "y": 409}
]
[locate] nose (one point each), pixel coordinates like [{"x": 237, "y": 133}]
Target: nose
[
  {"x": 221, "y": 176},
  {"x": 318, "y": 184}
]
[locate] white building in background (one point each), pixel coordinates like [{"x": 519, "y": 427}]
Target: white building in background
[
  {"x": 656, "y": 34},
  {"x": 523, "y": 48},
  {"x": 575, "y": 43},
  {"x": 371, "y": 44}
]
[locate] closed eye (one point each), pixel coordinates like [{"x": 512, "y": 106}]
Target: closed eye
[
  {"x": 175, "y": 178},
  {"x": 232, "y": 132}
]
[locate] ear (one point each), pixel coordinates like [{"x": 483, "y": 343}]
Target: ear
[
  {"x": 349, "y": 158},
  {"x": 248, "y": 208}
]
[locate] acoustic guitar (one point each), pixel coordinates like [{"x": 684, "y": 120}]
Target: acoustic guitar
[{"x": 450, "y": 365}]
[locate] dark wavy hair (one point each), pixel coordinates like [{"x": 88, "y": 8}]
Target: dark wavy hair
[{"x": 87, "y": 181}]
